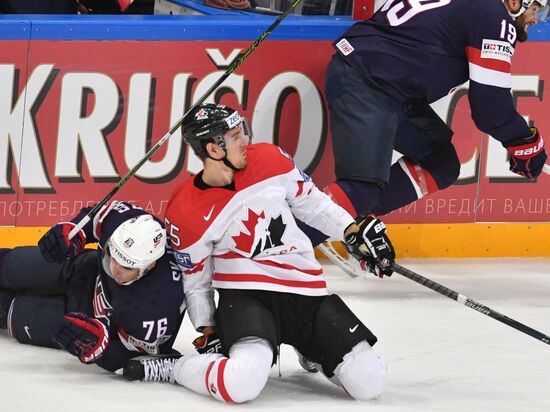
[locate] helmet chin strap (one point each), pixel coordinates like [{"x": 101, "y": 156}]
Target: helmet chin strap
[
  {"x": 229, "y": 164},
  {"x": 224, "y": 159}
]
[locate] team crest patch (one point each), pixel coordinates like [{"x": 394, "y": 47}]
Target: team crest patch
[
  {"x": 157, "y": 239},
  {"x": 497, "y": 49},
  {"x": 201, "y": 114},
  {"x": 344, "y": 46}
]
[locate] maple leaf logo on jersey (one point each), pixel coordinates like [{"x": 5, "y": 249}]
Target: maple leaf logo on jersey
[{"x": 259, "y": 234}]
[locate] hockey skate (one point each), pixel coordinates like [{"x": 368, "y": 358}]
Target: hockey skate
[
  {"x": 151, "y": 368},
  {"x": 305, "y": 363}
]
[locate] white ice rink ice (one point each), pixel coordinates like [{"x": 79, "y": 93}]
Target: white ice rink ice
[{"x": 441, "y": 355}]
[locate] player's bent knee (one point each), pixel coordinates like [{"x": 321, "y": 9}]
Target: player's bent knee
[
  {"x": 362, "y": 373},
  {"x": 32, "y": 318},
  {"x": 443, "y": 165},
  {"x": 248, "y": 371},
  {"x": 244, "y": 388},
  {"x": 334, "y": 318},
  {"x": 241, "y": 377}
]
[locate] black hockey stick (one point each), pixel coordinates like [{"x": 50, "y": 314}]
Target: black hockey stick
[
  {"x": 466, "y": 301},
  {"x": 176, "y": 125}
]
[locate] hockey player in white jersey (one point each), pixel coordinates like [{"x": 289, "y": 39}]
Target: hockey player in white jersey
[{"x": 233, "y": 229}]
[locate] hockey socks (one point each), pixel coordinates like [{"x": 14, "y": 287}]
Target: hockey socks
[
  {"x": 234, "y": 379},
  {"x": 408, "y": 183}
]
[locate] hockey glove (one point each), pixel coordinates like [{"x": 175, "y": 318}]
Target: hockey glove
[
  {"x": 55, "y": 245},
  {"x": 208, "y": 344},
  {"x": 84, "y": 337},
  {"x": 527, "y": 156},
  {"x": 371, "y": 246}
]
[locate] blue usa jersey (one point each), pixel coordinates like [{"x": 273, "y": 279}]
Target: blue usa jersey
[
  {"x": 423, "y": 49},
  {"x": 143, "y": 317}
]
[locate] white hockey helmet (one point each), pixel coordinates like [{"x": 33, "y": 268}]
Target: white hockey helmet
[
  {"x": 137, "y": 243},
  {"x": 525, "y": 4}
]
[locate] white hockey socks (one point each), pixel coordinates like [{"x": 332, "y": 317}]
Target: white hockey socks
[{"x": 236, "y": 379}]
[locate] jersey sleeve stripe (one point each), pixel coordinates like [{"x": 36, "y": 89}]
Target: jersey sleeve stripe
[
  {"x": 230, "y": 277},
  {"x": 474, "y": 56},
  {"x": 490, "y": 77},
  {"x": 233, "y": 255}
]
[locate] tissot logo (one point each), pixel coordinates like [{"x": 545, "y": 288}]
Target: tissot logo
[
  {"x": 122, "y": 257},
  {"x": 499, "y": 47},
  {"x": 496, "y": 49}
]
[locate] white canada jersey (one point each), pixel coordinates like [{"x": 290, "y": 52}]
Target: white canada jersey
[{"x": 246, "y": 237}]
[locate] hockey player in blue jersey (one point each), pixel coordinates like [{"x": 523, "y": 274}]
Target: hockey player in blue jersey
[
  {"x": 385, "y": 73},
  {"x": 104, "y": 306}
]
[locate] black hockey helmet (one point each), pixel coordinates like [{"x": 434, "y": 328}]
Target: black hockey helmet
[{"x": 208, "y": 123}]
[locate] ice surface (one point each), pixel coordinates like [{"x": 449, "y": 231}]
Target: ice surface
[{"x": 441, "y": 356}]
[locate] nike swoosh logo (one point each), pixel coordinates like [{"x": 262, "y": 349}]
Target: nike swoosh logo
[
  {"x": 351, "y": 330},
  {"x": 27, "y": 331},
  {"x": 209, "y": 215}
]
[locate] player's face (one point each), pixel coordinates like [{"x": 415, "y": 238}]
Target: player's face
[
  {"x": 122, "y": 274},
  {"x": 526, "y": 19},
  {"x": 235, "y": 143}
]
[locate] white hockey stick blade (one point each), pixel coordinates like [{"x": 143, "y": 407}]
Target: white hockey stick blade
[
  {"x": 546, "y": 169},
  {"x": 344, "y": 263}
]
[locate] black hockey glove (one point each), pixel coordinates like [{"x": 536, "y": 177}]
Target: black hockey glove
[
  {"x": 371, "y": 246},
  {"x": 527, "y": 156},
  {"x": 55, "y": 245},
  {"x": 208, "y": 344},
  {"x": 84, "y": 337}
]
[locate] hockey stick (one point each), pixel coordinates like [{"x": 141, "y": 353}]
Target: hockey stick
[
  {"x": 331, "y": 253},
  {"x": 347, "y": 265},
  {"x": 466, "y": 301},
  {"x": 546, "y": 169},
  {"x": 176, "y": 125}
]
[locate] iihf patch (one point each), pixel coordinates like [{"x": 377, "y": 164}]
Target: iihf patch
[
  {"x": 183, "y": 259},
  {"x": 344, "y": 46}
]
